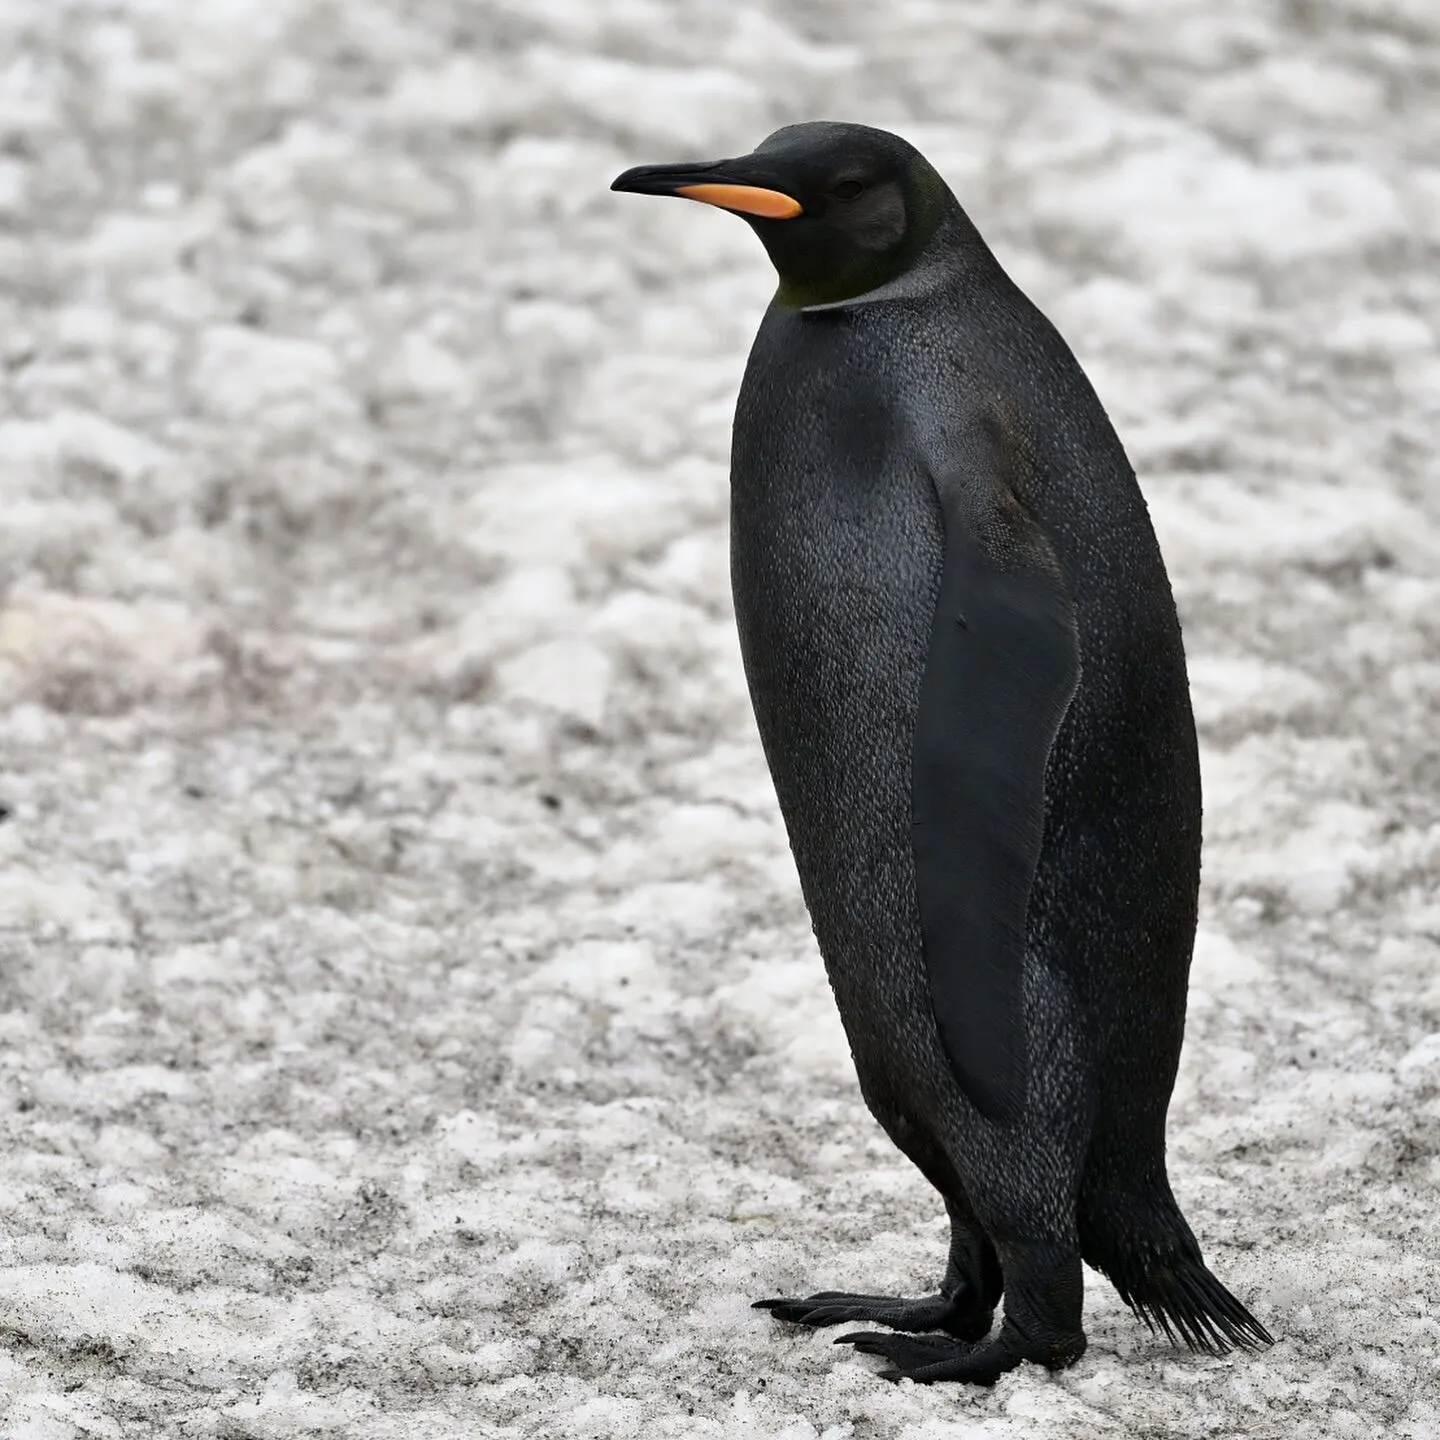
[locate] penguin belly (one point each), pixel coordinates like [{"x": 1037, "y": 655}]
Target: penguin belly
[{"x": 836, "y": 559}]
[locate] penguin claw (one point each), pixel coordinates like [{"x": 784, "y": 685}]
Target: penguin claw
[
  {"x": 795, "y": 1311},
  {"x": 926, "y": 1359},
  {"x": 866, "y": 1342},
  {"x": 923, "y": 1358},
  {"x": 828, "y": 1307},
  {"x": 822, "y": 1298},
  {"x": 908, "y": 1350},
  {"x": 837, "y": 1307}
]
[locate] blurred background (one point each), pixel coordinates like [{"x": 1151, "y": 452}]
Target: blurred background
[{"x": 409, "y": 1024}]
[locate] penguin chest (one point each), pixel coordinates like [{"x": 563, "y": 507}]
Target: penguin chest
[
  {"x": 837, "y": 551},
  {"x": 835, "y": 583}
]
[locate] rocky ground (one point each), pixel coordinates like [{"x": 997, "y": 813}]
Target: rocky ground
[{"x": 409, "y": 1025}]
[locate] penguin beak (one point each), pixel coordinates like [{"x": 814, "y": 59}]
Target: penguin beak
[{"x": 715, "y": 184}]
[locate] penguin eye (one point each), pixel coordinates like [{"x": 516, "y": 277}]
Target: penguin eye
[{"x": 847, "y": 189}]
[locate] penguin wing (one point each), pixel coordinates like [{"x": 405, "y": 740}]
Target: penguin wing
[{"x": 1003, "y": 664}]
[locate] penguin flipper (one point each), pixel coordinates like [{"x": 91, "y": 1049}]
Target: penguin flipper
[{"x": 1002, "y": 666}]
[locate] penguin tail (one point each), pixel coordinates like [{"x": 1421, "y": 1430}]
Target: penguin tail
[
  {"x": 1151, "y": 1257},
  {"x": 1188, "y": 1305}
]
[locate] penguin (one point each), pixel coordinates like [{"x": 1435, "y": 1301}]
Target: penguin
[{"x": 966, "y": 669}]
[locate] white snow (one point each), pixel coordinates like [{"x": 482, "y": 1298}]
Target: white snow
[
  {"x": 571, "y": 677},
  {"x": 409, "y": 1024}
]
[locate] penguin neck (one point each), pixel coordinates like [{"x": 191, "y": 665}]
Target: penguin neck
[{"x": 952, "y": 246}]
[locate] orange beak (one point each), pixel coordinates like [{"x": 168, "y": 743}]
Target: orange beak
[
  {"x": 726, "y": 183},
  {"x": 747, "y": 199}
]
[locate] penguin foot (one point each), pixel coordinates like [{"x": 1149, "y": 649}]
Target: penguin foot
[
  {"x": 950, "y": 1313},
  {"x": 908, "y": 1354},
  {"x": 927, "y": 1359}
]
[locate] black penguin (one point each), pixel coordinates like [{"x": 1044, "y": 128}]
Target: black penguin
[{"x": 966, "y": 668}]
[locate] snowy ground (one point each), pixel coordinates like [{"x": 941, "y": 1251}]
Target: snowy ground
[{"x": 410, "y": 1024}]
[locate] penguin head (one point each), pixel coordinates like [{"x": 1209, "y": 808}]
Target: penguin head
[{"x": 841, "y": 209}]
